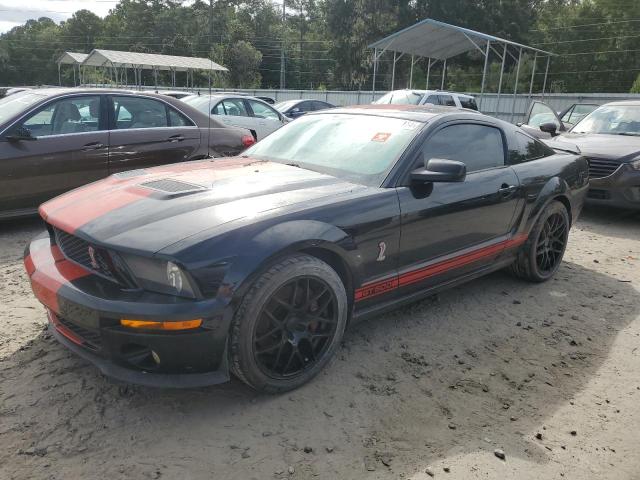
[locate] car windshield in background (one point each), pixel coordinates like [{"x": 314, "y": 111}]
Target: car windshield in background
[
  {"x": 400, "y": 98},
  {"x": 17, "y": 103},
  {"x": 282, "y": 106},
  {"x": 611, "y": 119},
  {"x": 200, "y": 102},
  {"x": 359, "y": 148}
]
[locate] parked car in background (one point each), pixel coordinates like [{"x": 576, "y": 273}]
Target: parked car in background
[
  {"x": 424, "y": 97},
  {"x": 14, "y": 90},
  {"x": 265, "y": 258},
  {"x": 54, "y": 140},
  {"x": 175, "y": 93},
  {"x": 576, "y": 112},
  {"x": 297, "y": 108},
  {"x": 240, "y": 111},
  {"x": 609, "y": 137}
]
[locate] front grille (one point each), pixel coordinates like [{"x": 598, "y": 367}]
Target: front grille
[
  {"x": 91, "y": 338},
  {"x": 600, "y": 167},
  {"x": 80, "y": 251}
]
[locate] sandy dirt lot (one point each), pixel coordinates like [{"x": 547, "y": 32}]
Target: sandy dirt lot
[{"x": 550, "y": 374}]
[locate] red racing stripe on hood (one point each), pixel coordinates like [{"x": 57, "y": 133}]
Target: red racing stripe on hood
[
  {"x": 91, "y": 206},
  {"x": 74, "y": 209}
]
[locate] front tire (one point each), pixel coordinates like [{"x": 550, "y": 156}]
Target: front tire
[
  {"x": 289, "y": 325},
  {"x": 541, "y": 256}
]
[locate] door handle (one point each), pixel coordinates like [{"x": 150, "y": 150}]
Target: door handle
[
  {"x": 506, "y": 190},
  {"x": 92, "y": 146},
  {"x": 176, "y": 138}
]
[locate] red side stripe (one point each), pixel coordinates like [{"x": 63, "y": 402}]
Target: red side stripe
[{"x": 383, "y": 286}]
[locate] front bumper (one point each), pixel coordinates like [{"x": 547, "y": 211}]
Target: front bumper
[
  {"x": 84, "y": 314},
  {"x": 620, "y": 189}
]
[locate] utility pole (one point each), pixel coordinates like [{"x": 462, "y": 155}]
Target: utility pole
[
  {"x": 282, "y": 67},
  {"x": 210, "y": 22}
]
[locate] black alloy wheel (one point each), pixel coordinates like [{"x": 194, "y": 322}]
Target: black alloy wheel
[
  {"x": 288, "y": 325},
  {"x": 551, "y": 243},
  {"x": 541, "y": 255},
  {"x": 295, "y": 327}
]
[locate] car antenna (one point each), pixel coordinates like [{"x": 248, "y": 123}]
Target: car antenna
[{"x": 209, "y": 120}]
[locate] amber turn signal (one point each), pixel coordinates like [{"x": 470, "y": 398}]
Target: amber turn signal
[{"x": 151, "y": 325}]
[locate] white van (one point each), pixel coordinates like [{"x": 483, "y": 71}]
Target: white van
[{"x": 423, "y": 97}]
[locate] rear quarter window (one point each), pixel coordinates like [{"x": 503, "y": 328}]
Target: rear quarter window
[{"x": 527, "y": 148}]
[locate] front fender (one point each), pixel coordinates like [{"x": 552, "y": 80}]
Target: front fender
[{"x": 277, "y": 241}]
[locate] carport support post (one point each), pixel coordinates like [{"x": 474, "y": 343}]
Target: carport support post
[
  {"x": 444, "y": 74},
  {"x": 533, "y": 74},
  {"x": 74, "y": 76},
  {"x": 504, "y": 57},
  {"x": 375, "y": 70},
  {"x": 484, "y": 73},
  {"x": 428, "y": 71},
  {"x": 411, "y": 74},
  {"x": 546, "y": 72},
  {"x": 59, "y": 77},
  {"x": 393, "y": 71},
  {"x": 515, "y": 87}
]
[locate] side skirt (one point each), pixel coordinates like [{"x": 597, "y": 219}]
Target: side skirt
[{"x": 414, "y": 297}]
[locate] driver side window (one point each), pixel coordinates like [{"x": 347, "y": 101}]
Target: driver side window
[
  {"x": 479, "y": 147},
  {"x": 65, "y": 116}
]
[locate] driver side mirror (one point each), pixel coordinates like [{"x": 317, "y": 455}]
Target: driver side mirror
[
  {"x": 440, "y": 170},
  {"x": 550, "y": 128},
  {"x": 20, "y": 134}
]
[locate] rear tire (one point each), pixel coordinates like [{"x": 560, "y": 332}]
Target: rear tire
[
  {"x": 289, "y": 325},
  {"x": 540, "y": 257}
]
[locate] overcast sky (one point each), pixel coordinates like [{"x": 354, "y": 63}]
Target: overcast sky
[{"x": 16, "y": 12}]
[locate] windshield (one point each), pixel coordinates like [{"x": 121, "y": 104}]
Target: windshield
[
  {"x": 282, "y": 106},
  {"x": 359, "y": 148},
  {"x": 400, "y": 97},
  {"x": 611, "y": 119},
  {"x": 17, "y": 103},
  {"x": 200, "y": 102}
]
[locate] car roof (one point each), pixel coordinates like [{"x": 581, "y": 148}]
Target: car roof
[
  {"x": 425, "y": 92},
  {"x": 416, "y": 113},
  {"x": 632, "y": 103}
]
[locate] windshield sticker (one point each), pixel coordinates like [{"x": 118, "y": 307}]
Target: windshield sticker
[{"x": 381, "y": 137}]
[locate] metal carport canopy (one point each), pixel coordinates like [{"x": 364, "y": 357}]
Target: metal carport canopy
[
  {"x": 72, "y": 58},
  {"x": 433, "y": 39},
  {"x": 149, "y": 61},
  {"x": 439, "y": 41}
]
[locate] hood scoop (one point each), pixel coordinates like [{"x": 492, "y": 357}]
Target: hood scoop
[{"x": 173, "y": 187}]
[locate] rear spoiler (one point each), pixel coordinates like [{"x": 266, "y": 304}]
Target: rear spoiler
[{"x": 563, "y": 146}]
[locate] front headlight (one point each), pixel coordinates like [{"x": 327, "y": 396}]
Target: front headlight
[
  {"x": 159, "y": 276},
  {"x": 636, "y": 164}
]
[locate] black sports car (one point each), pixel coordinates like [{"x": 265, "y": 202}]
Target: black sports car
[
  {"x": 609, "y": 137},
  {"x": 178, "y": 274}
]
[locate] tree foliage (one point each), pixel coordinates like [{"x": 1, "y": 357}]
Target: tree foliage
[{"x": 325, "y": 41}]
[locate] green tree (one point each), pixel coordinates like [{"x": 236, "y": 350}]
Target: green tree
[{"x": 243, "y": 61}]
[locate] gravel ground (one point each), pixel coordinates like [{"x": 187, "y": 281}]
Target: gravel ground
[{"x": 549, "y": 374}]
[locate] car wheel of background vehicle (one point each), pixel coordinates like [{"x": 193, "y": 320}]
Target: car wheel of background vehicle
[
  {"x": 541, "y": 255},
  {"x": 289, "y": 324}
]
